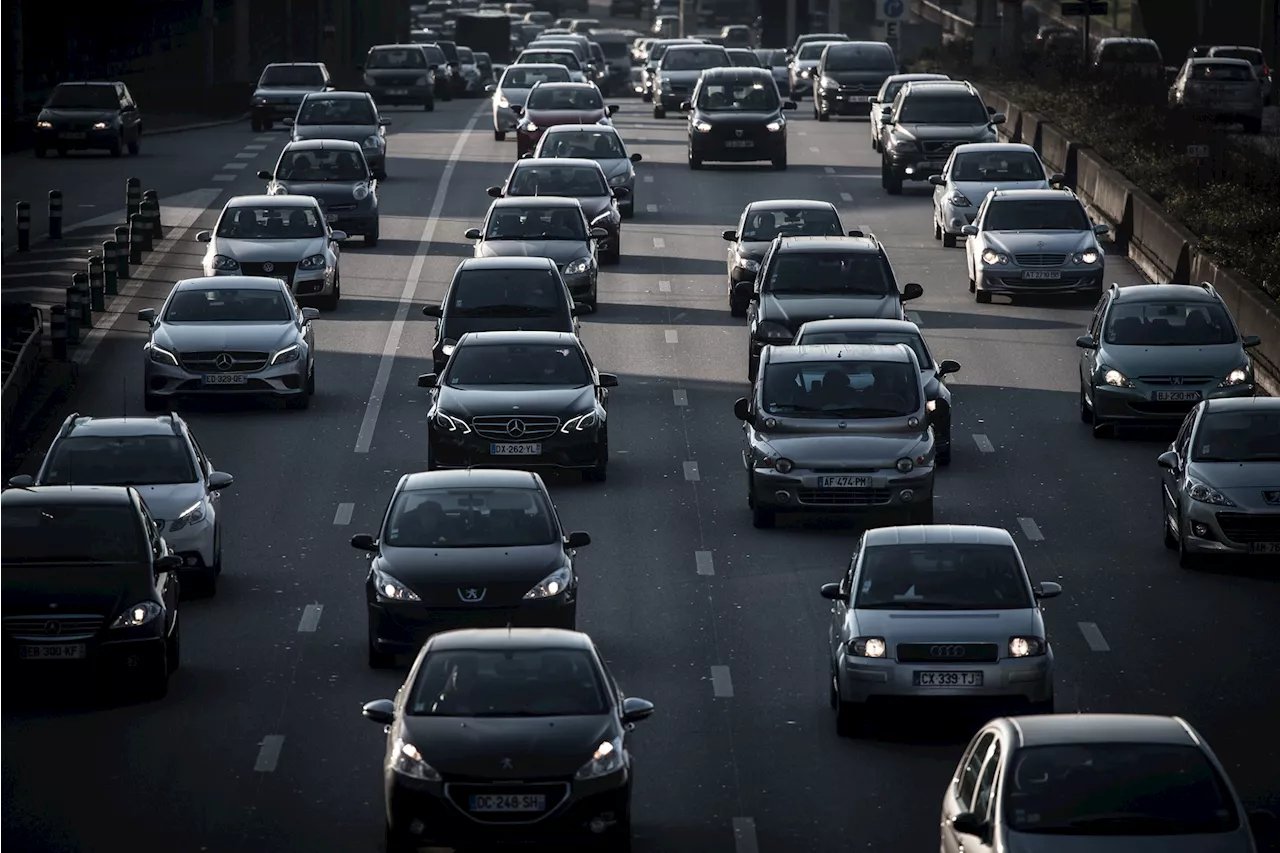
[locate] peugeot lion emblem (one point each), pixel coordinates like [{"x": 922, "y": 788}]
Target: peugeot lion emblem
[
  {"x": 508, "y": 764},
  {"x": 471, "y": 595},
  {"x": 738, "y": 131},
  {"x": 1271, "y": 497},
  {"x": 53, "y": 628},
  {"x": 515, "y": 427},
  {"x": 946, "y": 651},
  {"x": 224, "y": 361},
  {"x": 268, "y": 267},
  {"x": 1175, "y": 380}
]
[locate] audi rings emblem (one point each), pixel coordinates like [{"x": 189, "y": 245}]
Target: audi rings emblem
[
  {"x": 224, "y": 361},
  {"x": 515, "y": 427},
  {"x": 268, "y": 267},
  {"x": 947, "y": 651},
  {"x": 53, "y": 628}
]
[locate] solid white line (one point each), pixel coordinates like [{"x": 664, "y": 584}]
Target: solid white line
[
  {"x": 255, "y": 148},
  {"x": 223, "y": 179},
  {"x": 343, "y": 515},
  {"x": 802, "y": 133},
  {"x": 659, "y": 243},
  {"x": 846, "y": 197},
  {"x": 651, "y": 208},
  {"x": 914, "y": 317},
  {"x": 691, "y": 471},
  {"x": 721, "y": 683},
  {"x": 744, "y": 835},
  {"x": 1031, "y": 530},
  {"x": 269, "y": 754},
  {"x": 680, "y": 396},
  {"x": 706, "y": 566},
  {"x": 984, "y": 443},
  {"x": 374, "y": 407},
  {"x": 648, "y": 179},
  {"x": 235, "y": 167},
  {"x": 246, "y": 155},
  {"x": 664, "y": 286},
  {"x": 815, "y": 149},
  {"x": 1094, "y": 637},
  {"x": 830, "y": 170},
  {"x": 310, "y": 618},
  {"x": 673, "y": 337}
]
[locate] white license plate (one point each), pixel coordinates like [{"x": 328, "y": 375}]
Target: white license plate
[
  {"x": 224, "y": 379},
  {"x": 949, "y": 679},
  {"x": 1264, "y": 547},
  {"x": 508, "y": 802},
  {"x": 71, "y": 136},
  {"x": 858, "y": 99},
  {"x": 1177, "y": 396},
  {"x": 331, "y": 217},
  {"x": 515, "y": 449},
  {"x": 53, "y": 651},
  {"x": 740, "y": 143},
  {"x": 844, "y": 482},
  {"x": 1042, "y": 275},
  {"x": 397, "y": 91}
]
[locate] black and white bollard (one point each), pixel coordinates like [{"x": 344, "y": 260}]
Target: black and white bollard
[
  {"x": 139, "y": 238},
  {"x": 81, "y": 283},
  {"x": 55, "y": 214},
  {"x": 150, "y": 212},
  {"x": 122, "y": 252},
  {"x": 97, "y": 291},
  {"x": 109, "y": 285},
  {"x": 24, "y": 226},
  {"x": 157, "y": 227},
  {"x": 73, "y": 315},
  {"x": 58, "y": 332},
  {"x": 132, "y": 197}
]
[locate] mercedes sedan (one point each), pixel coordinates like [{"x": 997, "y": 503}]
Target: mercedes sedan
[
  {"x": 601, "y": 143},
  {"x": 974, "y": 170},
  {"x": 735, "y": 115},
  {"x": 351, "y": 116},
  {"x": 333, "y": 172},
  {"x": 583, "y": 180}
]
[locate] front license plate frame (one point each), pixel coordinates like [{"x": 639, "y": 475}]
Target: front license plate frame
[
  {"x": 73, "y": 135},
  {"x": 844, "y": 481},
  {"x": 507, "y": 803},
  {"x": 397, "y": 92},
  {"x": 532, "y": 448},
  {"x": 1264, "y": 548},
  {"x": 739, "y": 143},
  {"x": 1042, "y": 275},
  {"x": 53, "y": 651},
  {"x": 947, "y": 678},
  {"x": 858, "y": 99},
  {"x": 215, "y": 379},
  {"x": 1176, "y": 396}
]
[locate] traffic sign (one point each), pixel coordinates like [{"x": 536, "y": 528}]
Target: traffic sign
[
  {"x": 1081, "y": 8},
  {"x": 891, "y": 10},
  {"x": 892, "y": 32},
  {"x": 1198, "y": 152}
]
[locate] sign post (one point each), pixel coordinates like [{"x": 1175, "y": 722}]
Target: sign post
[
  {"x": 892, "y": 13},
  {"x": 1084, "y": 9}
]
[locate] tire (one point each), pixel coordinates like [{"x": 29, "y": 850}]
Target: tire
[
  {"x": 973, "y": 286},
  {"x": 155, "y": 403},
  {"x": 628, "y": 212},
  {"x": 255, "y": 125},
  {"x": 982, "y": 297},
  {"x": 695, "y": 162},
  {"x": 949, "y": 241},
  {"x": 430, "y": 105},
  {"x": 371, "y": 240},
  {"x": 937, "y": 230},
  {"x": 848, "y": 715},
  {"x": 943, "y": 456},
  {"x": 600, "y": 472},
  {"x": 875, "y": 145},
  {"x": 1086, "y": 416},
  {"x": 820, "y": 116},
  {"x": 737, "y": 308},
  {"x": 1170, "y": 540},
  {"x": 1101, "y": 429},
  {"x": 780, "y": 164},
  {"x": 311, "y": 382},
  {"x": 173, "y": 651},
  {"x": 1187, "y": 559},
  {"x": 136, "y": 145},
  {"x": 659, "y": 112},
  {"x": 892, "y": 183},
  {"x": 380, "y": 660},
  {"x": 117, "y": 146},
  {"x": 330, "y": 302},
  {"x": 614, "y": 256},
  {"x": 499, "y": 136},
  {"x": 647, "y": 97}
]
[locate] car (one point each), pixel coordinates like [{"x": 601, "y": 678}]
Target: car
[
  {"x": 554, "y": 56},
  {"x": 81, "y": 116},
  {"x": 229, "y": 336},
  {"x": 400, "y": 74},
  {"x": 933, "y": 373},
  {"x": 778, "y": 64},
  {"x": 576, "y": 44},
  {"x": 547, "y": 378},
  {"x": 837, "y": 428},
  {"x": 513, "y": 90},
  {"x": 280, "y": 91},
  {"x": 653, "y": 57},
  {"x": 737, "y": 36},
  {"x": 1220, "y": 89},
  {"x": 88, "y": 582},
  {"x": 820, "y": 278},
  {"x": 282, "y": 236},
  {"x": 484, "y": 62},
  {"x": 1138, "y": 60},
  {"x": 601, "y": 143},
  {"x": 541, "y": 18},
  {"x": 469, "y": 73},
  {"x": 743, "y": 57},
  {"x": 1153, "y": 351},
  {"x": 515, "y": 781},
  {"x": 445, "y": 73},
  {"x": 803, "y": 65},
  {"x": 801, "y": 41},
  {"x": 1099, "y": 782},
  {"x": 335, "y": 173},
  {"x": 450, "y": 51},
  {"x": 882, "y": 101},
  {"x": 927, "y": 120},
  {"x": 615, "y": 49},
  {"x": 1255, "y": 57},
  {"x": 1033, "y": 242},
  {"x": 665, "y": 26},
  {"x": 975, "y": 169},
  {"x": 467, "y": 549},
  {"x": 583, "y": 26},
  {"x": 679, "y": 71},
  {"x": 736, "y": 115},
  {"x": 349, "y": 116},
  {"x": 760, "y": 224},
  {"x": 578, "y": 179},
  {"x": 849, "y": 75},
  {"x": 500, "y": 294},
  {"x": 600, "y": 68},
  {"x": 550, "y": 104}
]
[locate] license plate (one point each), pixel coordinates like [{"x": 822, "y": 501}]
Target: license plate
[
  {"x": 508, "y": 802},
  {"x": 331, "y": 217},
  {"x": 844, "y": 482},
  {"x": 948, "y": 679},
  {"x": 1042, "y": 275},
  {"x": 740, "y": 143},
  {"x": 1264, "y": 547},
  {"x": 53, "y": 651},
  {"x": 397, "y": 91},
  {"x": 71, "y": 136},
  {"x": 224, "y": 379},
  {"x": 515, "y": 449},
  {"x": 858, "y": 99},
  {"x": 1177, "y": 396}
]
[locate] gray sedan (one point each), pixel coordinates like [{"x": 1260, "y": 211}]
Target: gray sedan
[
  {"x": 513, "y": 91},
  {"x": 229, "y": 336},
  {"x": 350, "y": 116},
  {"x": 335, "y": 173},
  {"x": 600, "y": 143}
]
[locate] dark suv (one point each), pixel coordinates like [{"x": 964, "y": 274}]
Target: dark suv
[
  {"x": 927, "y": 121},
  {"x": 849, "y": 76},
  {"x": 820, "y": 278},
  {"x": 88, "y": 583}
]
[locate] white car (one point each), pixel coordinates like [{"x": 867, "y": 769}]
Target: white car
[
  {"x": 513, "y": 90},
  {"x": 975, "y": 169},
  {"x": 279, "y": 236}
]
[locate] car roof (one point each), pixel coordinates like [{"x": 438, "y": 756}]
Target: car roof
[
  {"x": 558, "y": 162},
  {"x": 165, "y": 425},
  {"x": 480, "y": 478},
  {"x": 736, "y": 72},
  {"x": 1032, "y": 195},
  {"x": 535, "y": 48},
  {"x": 522, "y": 336},
  {"x": 1250, "y": 48},
  {"x": 68, "y": 495},
  {"x": 507, "y": 262},
  {"x": 1020, "y": 147},
  {"x": 827, "y": 244},
  {"x": 1161, "y": 292},
  {"x": 779, "y": 203},
  {"x": 861, "y": 324},
  {"x": 1125, "y": 40},
  {"x": 409, "y": 46},
  {"x": 1241, "y": 404},
  {"x": 564, "y": 84},
  {"x": 576, "y": 128},
  {"x": 272, "y": 200},
  {"x": 244, "y": 282},
  {"x": 938, "y": 534},
  {"x": 294, "y": 65},
  {"x": 699, "y": 45},
  {"x": 509, "y": 638},
  {"x": 339, "y": 96},
  {"x": 879, "y": 45},
  {"x": 917, "y": 77},
  {"x": 1220, "y": 60},
  {"x": 81, "y": 83},
  {"x": 322, "y": 145},
  {"x": 1062, "y": 729},
  {"x": 944, "y": 87},
  {"x": 540, "y": 65},
  {"x": 536, "y": 201},
  {"x": 826, "y": 352}
]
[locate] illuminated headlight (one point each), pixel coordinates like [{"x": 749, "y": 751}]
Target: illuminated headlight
[
  {"x": 747, "y": 264},
  {"x": 992, "y": 257},
  {"x": 137, "y": 615},
  {"x": 447, "y": 346},
  {"x": 278, "y": 189},
  {"x": 225, "y": 262},
  {"x": 1026, "y": 647},
  {"x": 1116, "y": 379},
  {"x": 531, "y": 127},
  {"x": 286, "y": 355},
  {"x": 957, "y": 199},
  {"x": 784, "y": 466},
  {"x": 101, "y": 125},
  {"x": 259, "y": 100},
  {"x": 193, "y": 514},
  {"x": 804, "y": 75},
  {"x": 828, "y": 83},
  {"x": 905, "y": 465},
  {"x": 608, "y": 758},
  {"x": 1239, "y": 376},
  {"x": 774, "y": 333},
  {"x": 702, "y": 126},
  {"x": 360, "y": 192},
  {"x": 579, "y": 423},
  {"x": 1087, "y": 257},
  {"x": 452, "y": 424},
  {"x": 932, "y": 405},
  {"x": 162, "y": 356},
  {"x": 374, "y": 141},
  {"x": 312, "y": 262},
  {"x": 1206, "y": 494},
  {"x": 577, "y": 267},
  {"x": 407, "y": 761},
  {"x": 45, "y": 125},
  {"x": 867, "y": 647},
  {"x": 619, "y": 180},
  {"x": 775, "y": 125},
  {"x": 503, "y": 103},
  {"x": 552, "y": 585},
  {"x": 390, "y": 588}
]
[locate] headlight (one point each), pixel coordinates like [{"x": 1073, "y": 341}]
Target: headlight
[
  {"x": 1116, "y": 379},
  {"x": 1206, "y": 494},
  {"x": 602, "y": 218},
  {"x": 193, "y": 514},
  {"x": 389, "y": 587},
  {"x": 1239, "y": 376},
  {"x": 278, "y": 189},
  {"x": 902, "y": 144},
  {"x": 407, "y": 761},
  {"x": 452, "y": 424},
  {"x": 608, "y": 758},
  {"x": 775, "y": 125},
  {"x": 957, "y": 199},
  {"x": 992, "y": 257},
  {"x": 905, "y": 465},
  {"x": 225, "y": 262},
  {"x": 784, "y": 466},
  {"x": 139, "y": 614},
  {"x": 447, "y": 347},
  {"x": 161, "y": 355},
  {"x": 579, "y": 423},
  {"x": 360, "y": 192},
  {"x": 552, "y": 585},
  {"x": 747, "y": 264},
  {"x": 531, "y": 127},
  {"x": 774, "y": 333},
  {"x": 286, "y": 355},
  {"x": 1026, "y": 647},
  {"x": 101, "y": 125},
  {"x": 577, "y": 267},
  {"x": 932, "y": 405},
  {"x": 1087, "y": 257},
  {"x": 312, "y": 262},
  {"x": 45, "y": 125},
  {"x": 503, "y": 103},
  {"x": 374, "y": 141},
  {"x": 619, "y": 180},
  {"x": 828, "y": 83},
  {"x": 259, "y": 100},
  {"x": 805, "y": 74},
  {"x": 867, "y": 647}
]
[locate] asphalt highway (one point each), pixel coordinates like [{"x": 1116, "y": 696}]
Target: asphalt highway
[{"x": 260, "y": 744}]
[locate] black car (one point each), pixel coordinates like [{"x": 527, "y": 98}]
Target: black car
[
  {"x": 467, "y": 549},
  {"x": 89, "y": 584},
  {"x": 526, "y": 399},
  {"x": 761, "y": 223},
  {"x": 849, "y": 76},
  {"x": 399, "y": 74},
  {"x": 735, "y": 115},
  {"x": 518, "y": 735},
  {"x": 450, "y": 50},
  {"x": 336, "y": 174},
  {"x": 445, "y": 73},
  {"x": 572, "y": 177},
  {"x": 498, "y": 295},
  {"x": 928, "y": 120},
  {"x": 820, "y": 278},
  {"x": 80, "y": 116}
]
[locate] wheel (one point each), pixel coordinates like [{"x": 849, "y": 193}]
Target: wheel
[
  {"x": 256, "y": 125},
  {"x": 377, "y": 659},
  {"x": 875, "y": 145},
  {"x": 155, "y": 403},
  {"x": 737, "y": 307},
  {"x": 330, "y": 302},
  {"x": 780, "y": 163},
  {"x": 430, "y": 105},
  {"x": 136, "y": 145},
  {"x": 500, "y": 135},
  {"x": 820, "y": 116},
  {"x": 311, "y": 382},
  {"x": 922, "y": 514},
  {"x": 892, "y": 183},
  {"x": 973, "y": 285},
  {"x": 695, "y": 162},
  {"x": 371, "y": 240},
  {"x": 937, "y": 230},
  {"x": 1086, "y": 416},
  {"x": 981, "y": 296},
  {"x": 647, "y": 97},
  {"x": 949, "y": 241},
  {"x": 600, "y": 472},
  {"x": 943, "y": 456},
  {"x": 614, "y": 255},
  {"x": 117, "y": 146},
  {"x": 40, "y": 152},
  {"x": 659, "y": 111}
]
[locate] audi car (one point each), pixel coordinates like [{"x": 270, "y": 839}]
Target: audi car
[
  {"x": 351, "y": 116},
  {"x": 558, "y": 103},
  {"x": 513, "y": 90},
  {"x": 975, "y": 169},
  {"x": 679, "y": 70},
  {"x": 849, "y": 75},
  {"x": 335, "y": 174},
  {"x": 580, "y": 179},
  {"x": 601, "y": 143},
  {"x": 78, "y": 116},
  {"x": 400, "y": 74},
  {"x": 760, "y": 224},
  {"x": 281, "y": 89},
  {"x": 735, "y": 115},
  {"x": 882, "y": 101},
  {"x": 927, "y": 120}
]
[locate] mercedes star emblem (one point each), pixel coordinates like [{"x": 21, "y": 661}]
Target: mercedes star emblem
[
  {"x": 508, "y": 764},
  {"x": 224, "y": 361},
  {"x": 471, "y": 595},
  {"x": 947, "y": 651},
  {"x": 515, "y": 427},
  {"x": 53, "y": 628},
  {"x": 268, "y": 266}
]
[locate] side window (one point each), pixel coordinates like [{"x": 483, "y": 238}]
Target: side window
[
  {"x": 1095, "y": 327},
  {"x": 971, "y": 768},
  {"x": 203, "y": 460},
  {"x": 153, "y": 534},
  {"x": 846, "y": 586},
  {"x": 1183, "y": 442},
  {"x": 981, "y": 215},
  {"x": 987, "y": 785}
]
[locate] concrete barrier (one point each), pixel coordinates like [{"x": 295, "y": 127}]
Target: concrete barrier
[
  {"x": 1107, "y": 194},
  {"x": 1059, "y": 151},
  {"x": 1160, "y": 246},
  {"x": 1030, "y": 132},
  {"x": 1254, "y": 313}
]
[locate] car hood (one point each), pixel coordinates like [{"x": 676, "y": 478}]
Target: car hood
[
  {"x": 549, "y": 118},
  {"x": 348, "y": 132},
  {"x": 791, "y": 311},
  {"x": 102, "y": 589},
  {"x": 832, "y": 449},
  {"x": 326, "y": 192},
  {"x": 61, "y": 114},
  {"x": 976, "y": 191},
  {"x": 453, "y": 328},
  {"x": 421, "y": 569},
  {"x": 165, "y": 503},
  {"x": 614, "y": 167},
  {"x": 684, "y": 78},
  {"x": 559, "y": 251},
  {"x": 1017, "y": 242},
  {"x": 976, "y": 132},
  {"x": 514, "y": 399},
  {"x": 1134, "y": 361},
  {"x": 806, "y": 64},
  {"x": 295, "y": 93},
  {"x": 948, "y": 626},
  {"x": 533, "y": 747},
  {"x": 514, "y": 96},
  {"x": 753, "y": 249},
  {"x": 255, "y": 251},
  {"x": 1027, "y": 842},
  {"x": 1226, "y": 476},
  {"x": 737, "y": 118},
  {"x": 241, "y": 336},
  {"x": 867, "y": 78}
]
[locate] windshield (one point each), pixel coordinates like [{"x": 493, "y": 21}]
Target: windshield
[
  {"x": 1169, "y": 324},
  {"x": 950, "y": 576},
  {"x": 614, "y": 49},
  {"x": 65, "y": 533},
  {"x": 303, "y": 76},
  {"x": 587, "y": 144},
  {"x": 833, "y": 273},
  {"x": 1036, "y": 215},
  {"x": 860, "y": 57},
  {"x": 571, "y": 181},
  {"x": 565, "y": 58},
  {"x": 565, "y": 98},
  {"x": 469, "y": 518},
  {"x": 396, "y": 57},
  {"x": 1116, "y": 789},
  {"x": 345, "y": 111},
  {"x": 228, "y": 305},
  {"x": 84, "y": 98},
  {"x": 1249, "y": 435},
  {"x": 513, "y": 682},
  {"x": 694, "y": 59},
  {"x": 270, "y": 223},
  {"x": 996, "y": 167},
  {"x": 812, "y": 51},
  {"x": 868, "y": 336},
  {"x": 319, "y": 165},
  {"x": 744, "y": 59},
  {"x": 518, "y": 364},
  {"x": 134, "y": 460},
  {"x": 465, "y": 56},
  {"x": 1224, "y": 72},
  {"x": 435, "y": 55},
  {"x": 516, "y": 77},
  {"x": 843, "y": 388},
  {"x": 728, "y": 95},
  {"x": 1249, "y": 54},
  {"x": 772, "y": 58},
  {"x": 506, "y": 293},
  {"x": 1131, "y": 52},
  {"x": 762, "y": 226},
  {"x": 932, "y": 109}
]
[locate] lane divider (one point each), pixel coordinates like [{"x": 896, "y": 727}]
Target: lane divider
[
  {"x": 659, "y": 243},
  {"x": 1094, "y": 637},
  {"x": 691, "y": 472},
  {"x": 705, "y": 563},
  {"x": 651, "y": 208},
  {"x": 673, "y": 337},
  {"x": 680, "y": 397},
  {"x": 1030, "y": 529},
  {"x": 721, "y": 683},
  {"x": 744, "y": 835},
  {"x": 269, "y": 754},
  {"x": 343, "y": 515},
  {"x": 664, "y": 286},
  {"x": 984, "y": 443},
  {"x": 310, "y": 620}
]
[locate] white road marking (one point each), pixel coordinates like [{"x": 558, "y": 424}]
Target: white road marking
[
  {"x": 846, "y": 197},
  {"x": 984, "y": 443},
  {"x": 815, "y": 149},
  {"x": 659, "y": 243},
  {"x": 310, "y": 618},
  {"x": 246, "y": 155},
  {"x": 680, "y": 396},
  {"x": 744, "y": 835},
  {"x": 235, "y": 167},
  {"x": 1030, "y": 529},
  {"x": 830, "y": 170},
  {"x": 343, "y": 515},
  {"x": 266, "y": 137},
  {"x": 664, "y": 286},
  {"x": 269, "y": 754},
  {"x": 223, "y": 179},
  {"x": 706, "y": 565},
  {"x": 802, "y": 133},
  {"x": 648, "y": 179},
  {"x": 651, "y": 208},
  {"x": 1094, "y": 637},
  {"x": 255, "y": 148},
  {"x": 171, "y": 210},
  {"x": 691, "y": 471},
  {"x": 374, "y": 407},
  {"x": 721, "y": 683},
  {"x": 914, "y": 316},
  {"x": 673, "y": 337}
]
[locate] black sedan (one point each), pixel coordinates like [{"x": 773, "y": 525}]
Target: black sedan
[
  {"x": 80, "y": 116},
  {"x": 761, "y": 222},
  {"x": 572, "y": 177},
  {"x": 508, "y": 735},
  {"x": 735, "y": 115},
  {"x": 519, "y": 399}
]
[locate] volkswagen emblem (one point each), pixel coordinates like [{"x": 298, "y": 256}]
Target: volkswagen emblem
[
  {"x": 268, "y": 267},
  {"x": 515, "y": 427},
  {"x": 224, "y": 361},
  {"x": 508, "y": 764},
  {"x": 53, "y": 628},
  {"x": 471, "y": 595},
  {"x": 1175, "y": 380},
  {"x": 947, "y": 651},
  {"x": 738, "y": 132},
  {"x": 1271, "y": 497}
]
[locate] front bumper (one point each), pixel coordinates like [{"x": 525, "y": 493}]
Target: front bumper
[
  {"x": 914, "y": 165},
  {"x": 576, "y": 450},
  {"x": 304, "y": 283},
  {"x": 837, "y": 103},
  {"x": 771, "y": 147},
  {"x": 581, "y": 284},
  {"x": 1028, "y": 679},
  {"x": 281, "y": 380},
  {"x": 77, "y": 140},
  {"x": 195, "y": 543},
  {"x": 1137, "y": 405},
  {"x": 954, "y": 219},
  {"x": 1008, "y": 279},
  {"x": 402, "y": 627},
  {"x": 274, "y": 111},
  {"x": 415, "y": 95},
  {"x": 799, "y": 491},
  {"x": 127, "y": 655},
  {"x": 1231, "y": 531}
]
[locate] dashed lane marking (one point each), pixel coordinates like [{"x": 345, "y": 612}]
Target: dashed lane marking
[
  {"x": 721, "y": 683},
  {"x": 310, "y": 618},
  {"x": 235, "y": 167},
  {"x": 846, "y": 197},
  {"x": 247, "y": 155},
  {"x": 223, "y": 179},
  {"x": 705, "y": 563},
  {"x": 914, "y": 316},
  {"x": 744, "y": 835},
  {"x": 264, "y": 138},
  {"x": 651, "y": 208},
  {"x": 648, "y": 179},
  {"x": 343, "y": 515},
  {"x": 269, "y": 754},
  {"x": 1094, "y": 637},
  {"x": 659, "y": 243},
  {"x": 984, "y": 443},
  {"x": 1030, "y": 529},
  {"x": 691, "y": 472},
  {"x": 664, "y": 286},
  {"x": 673, "y": 337},
  {"x": 815, "y": 149},
  {"x": 680, "y": 397},
  {"x": 255, "y": 148}
]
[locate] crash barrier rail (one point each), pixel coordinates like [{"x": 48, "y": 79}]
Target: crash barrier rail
[
  {"x": 21, "y": 356},
  {"x": 951, "y": 23}
]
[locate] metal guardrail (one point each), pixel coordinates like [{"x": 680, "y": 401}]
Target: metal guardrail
[
  {"x": 951, "y": 23},
  {"x": 20, "y": 367}
]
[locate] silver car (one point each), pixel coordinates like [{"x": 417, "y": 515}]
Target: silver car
[
  {"x": 513, "y": 91},
  {"x": 400, "y": 74},
  {"x": 937, "y": 611},
  {"x": 1033, "y": 242},
  {"x": 349, "y": 116},
  {"x": 281, "y": 89},
  {"x": 678, "y": 73},
  {"x": 803, "y": 66},
  {"x": 159, "y": 457},
  {"x": 554, "y": 56},
  {"x": 1220, "y": 88},
  {"x": 837, "y": 428},
  {"x": 975, "y": 169},
  {"x": 281, "y": 236},
  {"x": 882, "y": 103},
  {"x": 229, "y": 336},
  {"x": 601, "y": 143}
]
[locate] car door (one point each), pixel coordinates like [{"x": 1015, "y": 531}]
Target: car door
[
  {"x": 1089, "y": 357},
  {"x": 942, "y": 190},
  {"x": 964, "y": 785},
  {"x": 841, "y": 631},
  {"x": 1171, "y": 479},
  {"x": 731, "y": 253}
]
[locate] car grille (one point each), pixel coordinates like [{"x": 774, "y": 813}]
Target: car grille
[
  {"x": 1169, "y": 380},
  {"x": 401, "y": 80},
  {"x": 948, "y": 652},
  {"x": 843, "y": 497},
  {"x": 205, "y": 362},
  {"x": 498, "y": 427},
  {"x": 939, "y": 146},
  {"x": 1040, "y": 259},
  {"x": 64, "y": 626},
  {"x": 1239, "y": 527},
  {"x": 724, "y": 134},
  {"x": 460, "y": 793},
  {"x": 278, "y": 269},
  {"x": 858, "y": 89}
]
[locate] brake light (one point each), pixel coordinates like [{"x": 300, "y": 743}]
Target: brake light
[{"x": 1266, "y": 72}]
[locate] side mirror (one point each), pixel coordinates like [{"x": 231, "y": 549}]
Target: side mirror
[
  {"x": 338, "y": 236},
  {"x": 788, "y": 105},
  {"x": 472, "y": 234},
  {"x": 1086, "y": 342},
  {"x": 685, "y": 106},
  {"x": 874, "y": 101},
  {"x": 730, "y": 235},
  {"x": 22, "y": 481},
  {"x": 494, "y": 192},
  {"x": 968, "y": 823},
  {"x": 1250, "y": 341},
  {"x": 598, "y": 233},
  {"x": 427, "y": 380},
  {"x": 634, "y": 710},
  {"x": 969, "y": 230},
  {"x": 220, "y": 480},
  {"x": 608, "y": 380},
  {"x": 1169, "y": 459},
  {"x": 833, "y": 592},
  {"x": 1057, "y": 179},
  {"x": 205, "y": 237},
  {"x": 937, "y": 180},
  {"x": 516, "y": 109},
  {"x": 991, "y": 110},
  {"x": 578, "y": 309},
  {"x": 288, "y": 122},
  {"x": 384, "y": 122},
  {"x": 613, "y": 108},
  {"x": 490, "y": 89},
  {"x": 168, "y": 563},
  {"x": 264, "y": 174},
  {"x": 1043, "y": 590},
  {"x": 998, "y": 118},
  {"x": 636, "y": 158},
  {"x": 742, "y": 409},
  {"x": 382, "y": 711},
  {"x": 621, "y": 192},
  {"x": 528, "y": 155},
  {"x": 856, "y": 233},
  {"x": 948, "y": 366},
  {"x": 912, "y": 291},
  {"x": 364, "y": 542},
  {"x": 436, "y": 311},
  {"x": 309, "y": 314},
  {"x": 147, "y": 315},
  {"x": 1101, "y": 229},
  {"x": 577, "y": 539}
]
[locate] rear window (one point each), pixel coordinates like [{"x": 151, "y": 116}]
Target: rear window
[
  {"x": 133, "y": 460},
  {"x": 506, "y": 293},
  {"x": 694, "y": 59},
  {"x": 62, "y": 533},
  {"x": 1225, "y": 72},
  {"x": 351, "y": 112},
  {"x": 589, "y": 144},
  {"x": 772, "y": 58},
  {"x": 883, "y": 338},
  {"x": 762, "y": 226},
  {"x": 744, "y": 59},
  {"x": 949, "y": 576},
  {"x": 997, "y": 167},
  {"x": 540, "y": 57},
  {"x": 396, "y": 58},
  {"x": 859, "y": 57},
  {"x": 1249, "y": 54},
  {"x": 836, "y": 273},
  {"x": 615, "y": 49},
  {"x": 1135, "y": 52},
  {"x": 434, "y": 54},
  {"x": 292, "y": 75},
  {"x": 812, "y": 51},
  {"x": 465, "y": 56},
  {"x": 569, "y": 181}
]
